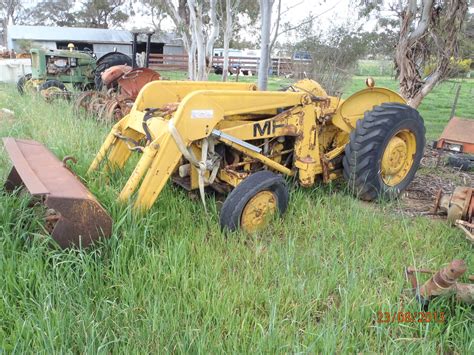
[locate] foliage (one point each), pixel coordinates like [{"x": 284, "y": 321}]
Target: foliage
[
  {"x": 53, "y": 12},
  {"x": 92, "y": 13},
  {"x": 102, "y": 13},
  {"x": 334, "y": 56},
  {"x": 457, "y": 67},
  {"x": 25, "y": 45},
  {"x": 10, "y": 11},
  {"x": 466, "y": 42},
  {"x": 430, "y": 32}
]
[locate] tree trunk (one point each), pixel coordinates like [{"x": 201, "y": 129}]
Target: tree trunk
[
  {"x": 212, "y": 36},
  {"x": 227, "y": 36},
  {"x": 5, "y": 34},
  {"x": 266, "y": 14},
  {"x": 197, "y": 40},
  {"x": 181, "y": 20},
  {"x": 191, "y": 50}
]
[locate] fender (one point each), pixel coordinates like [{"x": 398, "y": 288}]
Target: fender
[{"x": 354, "y": 107}]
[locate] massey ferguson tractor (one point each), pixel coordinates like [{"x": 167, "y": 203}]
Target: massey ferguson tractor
[{"x": 237, "y": 141}]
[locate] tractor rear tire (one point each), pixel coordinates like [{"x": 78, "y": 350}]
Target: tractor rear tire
[
  {"x": 384, "y": 151},
  {"x": 255, "y": 199},
  {"x": 109, "y": 60},
  {"x": 20, "y": 85}
]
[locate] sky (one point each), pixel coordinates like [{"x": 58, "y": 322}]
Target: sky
[{"x": 293, "y": 11}]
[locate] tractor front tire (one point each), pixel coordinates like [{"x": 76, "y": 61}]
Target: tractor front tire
[
  {"x": 50, "y": 88},
  {"x": 384, "y": 151},
  {"x": 20, "y": 85},
  {"x": 254, "y": 201}
]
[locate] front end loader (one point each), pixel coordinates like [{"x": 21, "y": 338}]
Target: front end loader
[{"x": 242, "y": 142}]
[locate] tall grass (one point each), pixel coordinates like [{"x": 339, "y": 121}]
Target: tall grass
[{"x": 172, "y": 282}]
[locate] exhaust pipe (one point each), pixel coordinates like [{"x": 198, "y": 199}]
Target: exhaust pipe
[
  {"x": 148, "y": 48},
  {"x": 134, "y": 50},
  {"x": 74, "y": 216}
]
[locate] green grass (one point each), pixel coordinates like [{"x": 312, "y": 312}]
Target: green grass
[
  {"x": 375, "y": 67},
  {"x": 172, "y": 282}
]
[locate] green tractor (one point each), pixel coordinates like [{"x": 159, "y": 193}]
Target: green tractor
[{"x": 52, "y": 69}]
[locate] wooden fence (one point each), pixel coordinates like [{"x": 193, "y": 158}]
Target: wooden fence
[{"x": 280, "y": 66}]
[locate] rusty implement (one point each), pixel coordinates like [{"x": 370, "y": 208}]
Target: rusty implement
[
  {"x": 458, "y": 136},
  {"x": 74, "y": 216},
  {"x": 443, "y": 282},
  {"x": 459, "y": 208},
  {"x": 123, "y": 86},
  {"x": 457, "y": 205}
]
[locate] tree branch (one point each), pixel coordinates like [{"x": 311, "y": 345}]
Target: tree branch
[{"x": 424, "y": 20}]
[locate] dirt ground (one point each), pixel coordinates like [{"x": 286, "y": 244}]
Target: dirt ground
[{"x": 434, "y": 174}]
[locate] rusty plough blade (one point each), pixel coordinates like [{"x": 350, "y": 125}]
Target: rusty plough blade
[{"x": 74, "y": 216}]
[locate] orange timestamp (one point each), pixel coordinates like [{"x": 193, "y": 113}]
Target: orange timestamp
[{"x": 410, "y": 317}]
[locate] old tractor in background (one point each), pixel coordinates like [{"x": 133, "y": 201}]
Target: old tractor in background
[
  {"x": 52, "y": 69},
  {"x": 237, "y": 141},
  {"x": 120, "y": 85}
]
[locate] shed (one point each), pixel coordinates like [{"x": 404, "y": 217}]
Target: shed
[{"x": 99, "y": 40}]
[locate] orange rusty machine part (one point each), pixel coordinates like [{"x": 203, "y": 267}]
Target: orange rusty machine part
[
  {"x": 458, "y": 205},
  {"x": 73, "y": 217},
  {"x": 459, "y": 208},
  {"x": 124, "y": 85},
  {"x": 443, "y": 282},
  {"x": 112, "y": 74},
  {"x": 458, "y": 136}
]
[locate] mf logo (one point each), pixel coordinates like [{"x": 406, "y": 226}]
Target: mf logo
[{"x": 267, "y": 128}]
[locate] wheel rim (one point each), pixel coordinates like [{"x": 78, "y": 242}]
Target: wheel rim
[
  {"x": 398, "y": 157},
  {"x": 30, "y": 85},
  {"x": 258, "y": 211},
  {"x": 51, "y": 92}
]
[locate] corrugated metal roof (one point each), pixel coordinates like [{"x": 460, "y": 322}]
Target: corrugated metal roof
[{"x": 76, "y": 34}]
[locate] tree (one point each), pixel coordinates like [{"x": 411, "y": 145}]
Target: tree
[
  {"x": 180, "y": 15},
  {"x": 203, "y": 37},
  {"x": 53, "y": 12},
  {"x": 466, "y": 43},
  {"x": 101, "y": 13},
  {"x": 429, "y": 35},
  {"x": 155, "y": 10},
  {"x": 248, "y": 14},
  {"x": 230, "y": 7},
  {"x": 196, "y": 22},
  {"x": 334, "y": 55},
  {"x": 10, "y": 10}
]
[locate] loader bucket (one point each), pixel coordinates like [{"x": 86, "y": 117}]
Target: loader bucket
[
  {"x": 458, "y": 136},
  {"x": 75, "y": 217}
]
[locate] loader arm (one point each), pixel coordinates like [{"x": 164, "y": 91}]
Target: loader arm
[{"x": 196, "y": 116}]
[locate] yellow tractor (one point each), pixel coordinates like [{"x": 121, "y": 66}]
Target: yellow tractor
[{"x": 236, "y": 140}]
